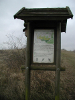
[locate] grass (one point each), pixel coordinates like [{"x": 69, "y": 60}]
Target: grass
[{"x": 42, "y": 83}]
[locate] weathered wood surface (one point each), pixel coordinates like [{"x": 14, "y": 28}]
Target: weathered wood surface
[
  {"x": 49, "y": 14},
  {"x": 44, "y": 12},
  {"x": 48, "y": 68},
  {"x": 27, "y": 71},
  {"x": 58, "y": 61},
  {"x": 52, "y": 68}
]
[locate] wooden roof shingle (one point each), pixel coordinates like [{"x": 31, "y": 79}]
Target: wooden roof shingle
[{"x": 44, "y": 13}]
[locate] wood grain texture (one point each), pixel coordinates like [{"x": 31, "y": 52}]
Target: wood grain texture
[
  {"x": 58, "y": 61},
  {"x": 27, "y": 71},
  {"x": 40, "y": 12}
]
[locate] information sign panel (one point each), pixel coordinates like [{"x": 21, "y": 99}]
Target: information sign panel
[{"x": 43, "y": 46}]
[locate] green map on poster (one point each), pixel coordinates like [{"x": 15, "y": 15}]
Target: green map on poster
[{"x": 47, "y": 39}]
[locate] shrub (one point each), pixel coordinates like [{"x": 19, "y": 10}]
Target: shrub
[{"x": 15, "y": 58}]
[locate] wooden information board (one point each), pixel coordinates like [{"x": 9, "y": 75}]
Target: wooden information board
[{"x": 43, "y": 27}]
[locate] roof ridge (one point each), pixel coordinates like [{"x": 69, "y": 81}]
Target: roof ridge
[{"x": 19, "y": 12}]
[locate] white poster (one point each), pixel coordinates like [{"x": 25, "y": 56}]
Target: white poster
[{"x": 43, "y": 47}]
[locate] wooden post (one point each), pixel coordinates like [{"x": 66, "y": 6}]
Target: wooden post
[
  {"x": 27, "y": 71},
  {"x": 58, "y": 59}
]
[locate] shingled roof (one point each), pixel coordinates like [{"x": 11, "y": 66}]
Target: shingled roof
[{"x": 44, "y": 14}]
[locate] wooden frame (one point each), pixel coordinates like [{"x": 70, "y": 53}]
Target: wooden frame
[
  {"x": 58, "y": 62},
  {"x": 27, "y": 68},
  {"x": 46, "y": 25}
]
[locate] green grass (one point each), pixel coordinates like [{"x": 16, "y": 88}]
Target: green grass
[{"x": 42, "y": 83}]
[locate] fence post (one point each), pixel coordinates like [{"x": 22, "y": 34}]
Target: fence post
[
  {"x": 58, "y": 59},
  {"x": 27, "y": 71}
]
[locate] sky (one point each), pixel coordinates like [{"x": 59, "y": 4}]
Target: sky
[{"x": 11, "y": 30}]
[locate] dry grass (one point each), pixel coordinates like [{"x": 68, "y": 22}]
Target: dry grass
[
  {"x": 12, "y": 79},
  {"x": 68, "y": 77},
  {"x": 42, "y": 85}
]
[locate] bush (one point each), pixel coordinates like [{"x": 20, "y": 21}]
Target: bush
[{"x": 15, "y": 58}]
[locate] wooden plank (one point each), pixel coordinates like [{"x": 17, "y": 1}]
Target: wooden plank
[
  {"x": 69, "y": 11},
  {"x": 32, "y": 18},
  {"x": 27, "y": 71},
  {"x": 52, "y": 68},
  {"x": 58, "y": 57},
  {"x": 45, "y": 24},
  {"x": 49, "y": 68},
  {"x": 43, "y": 13},
  {"x": 15, "y": 16},
  {"x": 45, "y": 9},
  {"x": 46, "y": 12}
]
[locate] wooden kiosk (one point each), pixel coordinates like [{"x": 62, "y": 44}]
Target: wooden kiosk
[{"x": 43, "y": 27}]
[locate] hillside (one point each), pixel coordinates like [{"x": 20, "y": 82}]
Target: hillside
[
  {"x": 12, "y": 78},
  {"x": 68, "y": 77}
]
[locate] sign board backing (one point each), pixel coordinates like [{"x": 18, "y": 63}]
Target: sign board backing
[{"x": 43, "y": 46}]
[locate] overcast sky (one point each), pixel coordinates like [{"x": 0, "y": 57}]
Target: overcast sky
[{"x": 10, "y": 27}]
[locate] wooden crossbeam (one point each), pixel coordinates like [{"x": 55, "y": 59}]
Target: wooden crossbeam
[{"x": 43, "y": 68}]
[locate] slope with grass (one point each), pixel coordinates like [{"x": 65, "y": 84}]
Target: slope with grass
[{"x": 12, "y": 79}]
